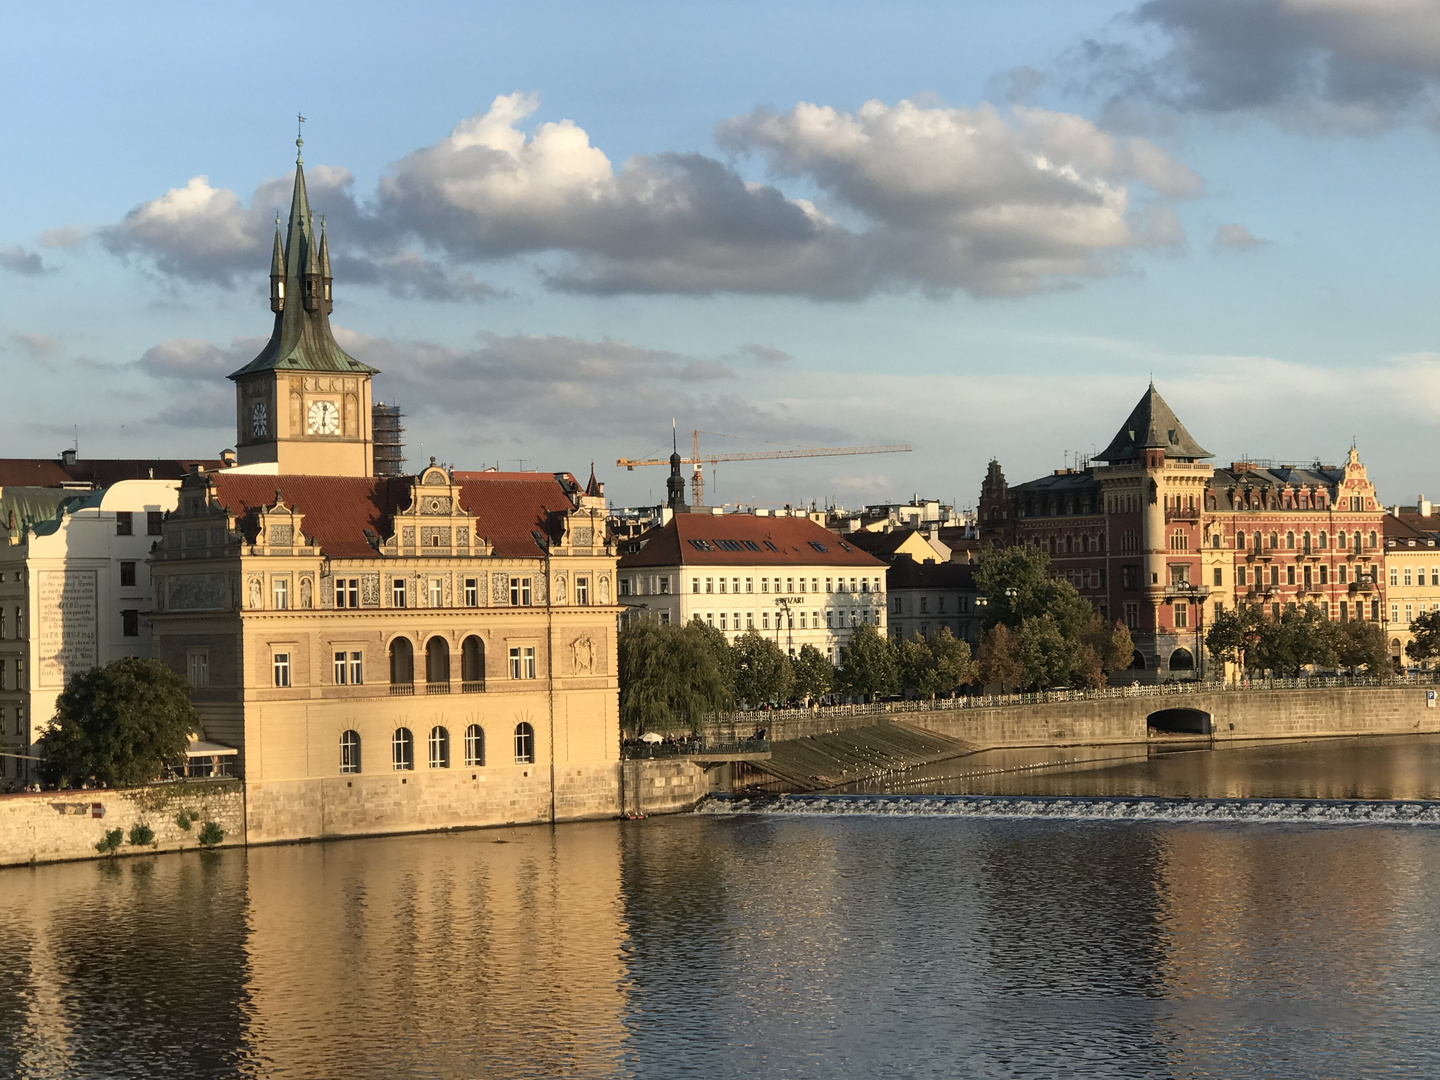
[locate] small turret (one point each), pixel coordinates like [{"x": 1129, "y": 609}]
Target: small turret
[
  {"x": 277, "y": 273},
  {"x": 325, "y": 267},
  {"x": 313, "y": 284}
]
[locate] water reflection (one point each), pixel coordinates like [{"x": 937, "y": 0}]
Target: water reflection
[{"x": 739, "y": 947}]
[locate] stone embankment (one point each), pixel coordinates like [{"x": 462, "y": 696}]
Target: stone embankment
[{"x": 824, "y": 748}]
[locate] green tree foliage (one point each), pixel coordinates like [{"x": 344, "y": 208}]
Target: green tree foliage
[
  {"x": 1298, "y": 637},
  {"x": 210, "y": 834},
  {"x": 1231, "y": 635},
  {"x": 1362, "y": 645},
  {"x": 1426, "y": 643},
  {"x": 814, "y": 674},
  {"x": 868, "y": 664},
  {"x": 141, "y": 835},
  {"x": 1040, "y": 631},
  {"x": 111, "y": 842},
  {"x": 121, "y": 723},
  {"x": 1285, "y": 646},
  {"x": 763, "y": 673},
  {"x": 999, "y": 662},
  {"x": 936, "y": 664},
  {"x": 672, "y": 677}
]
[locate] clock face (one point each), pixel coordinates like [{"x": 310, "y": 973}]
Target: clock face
[
  {"x": 324, "y": 417},
  {"x": 257, "y": 418}
]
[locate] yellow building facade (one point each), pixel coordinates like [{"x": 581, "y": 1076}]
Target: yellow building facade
[{"x": 386, "y": 653}]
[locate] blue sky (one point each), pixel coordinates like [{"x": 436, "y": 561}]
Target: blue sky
[{"x": 972, "y": 227}]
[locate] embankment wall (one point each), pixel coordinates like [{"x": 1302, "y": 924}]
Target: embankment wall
[
  {"x": 1271, "y": 714},
  {"x": 54, "y": 826}
]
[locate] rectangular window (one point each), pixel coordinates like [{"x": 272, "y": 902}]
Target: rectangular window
[
  {"x": 1290, "y": 575},
  {"x": 281, "y": 589},
  {"x": 789, "y": 585},
  {"x": 153, "y": 521},
  {"x": 764, "y": 584},
  {"x": 764, "y": 621},
  {"x": 750, "y": 620},
  {"x": 664, "y": 618},
  {"x": 802, "y": 618},
  {"x": 520, "y": 592},
  {"x": 130, "y": 623},
  {"x": 342, "y": 668},
  {"x": 864, "y": 584},
  {"x": 625, "y": 586},
  {"x": 397, "y": 592},
  {"x": 1241, "y": 575},
  {"x": 709, "y": 585},
  {"x": 924, "y": 605},
  {"x": 281, "y": 664},
  {"x": 830, "y": 618},
  {"x": 1375, "y": 610},
  {"x": 197, "y": 668},
  {"x": 665, "y": 585},
  {"x": 515, "y": 663},
  {"x": 1408, "y": 580},
  {"x": 1394, "y": 612},
  {"x": 522, "y": 662},
  {"x": 722, "y": 584},
  {"x": 1409, "y": 614},
  {"x": 1182, "y": 616},
  {"x": 749, "y": 585},
  {"x": 357, "y": 668},
  {"x": 1324, "y": 574},
  {"x": 472, "y": 592},
  {"x": 127, "y": 575},
  {"x": 1395, "y": 576},
  {"x": 1132, "y": 616},
  {"x": 1220, "y": 609},
  {"x": 529, "y": 663},
  {"x": 582, "y": 590},
  {"x": 1219, "y": 576},
  {"x": 1344, "y": 574},
  {"x": 723, "y": 621},
  {"x": 694, "y": 584},
  {"x": 437, "y": 592},
  {"x": 124, "y": 523},
  {"x": 347, "y": 592}
]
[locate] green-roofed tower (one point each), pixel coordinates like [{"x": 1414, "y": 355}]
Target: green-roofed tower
[{"x": 303, "y": 403}]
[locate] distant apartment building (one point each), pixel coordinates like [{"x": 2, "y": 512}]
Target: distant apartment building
[
  {"x": 1162, "y": 540},
  {"x": 1412, "y": 573},
  {"x": 785, "y": 577},
  {"x": 928, "y": 596}
]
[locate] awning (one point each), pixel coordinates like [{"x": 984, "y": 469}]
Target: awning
[{"x": 200, "y": 748}]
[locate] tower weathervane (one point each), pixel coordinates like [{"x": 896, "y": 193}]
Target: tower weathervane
[{"x": 299, "y": 140}]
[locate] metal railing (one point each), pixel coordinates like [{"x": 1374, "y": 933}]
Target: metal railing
[
  {"x": 638, "y": 750},
  {"x": 765, "y": 718}
]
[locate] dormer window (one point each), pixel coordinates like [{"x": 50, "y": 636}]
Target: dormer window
[{"x": 280, "y": 288}]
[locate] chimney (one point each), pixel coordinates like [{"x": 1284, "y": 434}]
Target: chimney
[
  {"x": 1424, "y": 507},
  {"x": 227, "y": 458},
  {"x": 70, "y": 456}
]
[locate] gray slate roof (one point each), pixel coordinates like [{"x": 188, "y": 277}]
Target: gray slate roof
[{"x": 1152, "y": 424}]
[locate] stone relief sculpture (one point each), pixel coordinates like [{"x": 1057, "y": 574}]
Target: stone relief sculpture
[
  {"x": 559, "y": 590},
  {"x": 604, "y": 590},
  {"x": 307, "y": 592},
  {"x": 256, "y": 591},
  {"x": 582, "y": 656}
]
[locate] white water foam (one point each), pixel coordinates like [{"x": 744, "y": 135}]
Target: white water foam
[{"x": 1086, "y": 808}]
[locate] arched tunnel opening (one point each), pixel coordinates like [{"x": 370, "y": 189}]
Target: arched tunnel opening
[{"x": 1180, "y": 721}]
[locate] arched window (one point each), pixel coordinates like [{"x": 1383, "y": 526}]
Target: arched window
[
  {"x": 1274, "y": 540},
  {"x": 1324, "y": 540},
  {"x": 350, "y": 752},
  {"x": 1182, "y": 660},
  {"x": 1257, "y": 541},
  {"x": 1290, "y": 541},
  {"x": 474, "y": 745},
  {"x": 1137, "y": 661},
  {"x": 472, "y": 665},
  {"x": 1305, "y": 543},
  {"x": 402, "y": 750},
  {"x": 1340, "y": 540},
  {"x": 1240, "y": 541},
  {"x": 524, "y": 744},
  {"x": 437, "y": 665},
  {"x": 439, "y": 748},
  {"x": 1372, "y": 538},
  {"x": 402, "y": 663}
]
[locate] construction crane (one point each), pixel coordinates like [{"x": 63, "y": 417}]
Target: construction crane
[{"x": 697, "y": 478}]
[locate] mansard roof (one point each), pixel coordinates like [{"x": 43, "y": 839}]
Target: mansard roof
[
  {"x": 518, "y": 513},
  {"x": 906, "y": 573},
  {"x": 302, "y": 339},
  {"x": 1152, "y": 424},
  {"x": 699, "y": 539}
]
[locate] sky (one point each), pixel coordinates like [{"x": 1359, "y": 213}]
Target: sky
[{"x": 976, "y": 228}]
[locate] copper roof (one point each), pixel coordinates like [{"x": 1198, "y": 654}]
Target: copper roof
[{"x": 713, "y": 539}]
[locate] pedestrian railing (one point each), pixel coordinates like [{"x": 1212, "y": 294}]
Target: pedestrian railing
[{"x": 639, "y": 750}]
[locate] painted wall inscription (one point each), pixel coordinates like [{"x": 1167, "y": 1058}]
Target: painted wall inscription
[{"x": 67, "y": 608}]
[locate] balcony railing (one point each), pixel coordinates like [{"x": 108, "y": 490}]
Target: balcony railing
[
  {"x": 437, "y": 688},
  {"x": 405, "y": 689},
  {"x": 472, "y": 686}
]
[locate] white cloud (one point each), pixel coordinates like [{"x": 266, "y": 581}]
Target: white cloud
[
  {"x": 19, "y": 261},
  {"x": 39, "y": 346},
  {"x": 1232, "y": 237},
  {"x": 918, "y": 197}
]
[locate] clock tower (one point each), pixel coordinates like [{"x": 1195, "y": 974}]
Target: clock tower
[{"x": 303, "y": 403}]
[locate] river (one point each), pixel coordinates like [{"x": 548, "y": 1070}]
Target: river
[{"x": 871, "y": 934}]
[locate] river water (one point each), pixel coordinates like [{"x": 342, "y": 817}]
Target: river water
[{"x": 1125, "y": 917}]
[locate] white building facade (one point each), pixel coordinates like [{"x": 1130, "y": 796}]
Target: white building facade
[
  {"x": 785, "y": 577},
  {"x": 75, "y": 594}
]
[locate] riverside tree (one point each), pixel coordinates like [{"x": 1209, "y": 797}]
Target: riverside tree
[
  {"x": 1040, "y": 631},
  {"x": 121, "y": 724},
  {"x": 814, "y": 674},
  {"x": 672, "y": 677},
  {"x": 763, "y": 673},
  {"x": 868, "y": 665},
  {"x": 935, "y": 664},
  {"x": 1426, "y": 631}
]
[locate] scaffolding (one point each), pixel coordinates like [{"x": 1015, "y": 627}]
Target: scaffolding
[{"x": 388, "y": 434}]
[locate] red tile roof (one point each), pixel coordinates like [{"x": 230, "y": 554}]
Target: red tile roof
[
  {"x": 772, "y": 541},
  {"x": 510, "y": 508}
]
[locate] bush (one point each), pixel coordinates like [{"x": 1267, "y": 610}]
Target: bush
[
  {"x": 111, "y": 843},
  {"x": 211, "y": 834},
  {"x": 141, "y": 835},
  {"x": 186, "y": 818}
]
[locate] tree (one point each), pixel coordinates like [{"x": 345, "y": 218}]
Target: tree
[
  {"x": 998, "y": 661},
  {"x": 1016, "y": 584},
  {"x": 1362, "y": 645},
  {"x": 1426, "y": 631},
  {"x": 1297, "y": 638},
  {"x": 763, "y": 673},
  {"x": 868, "y": 663},
  {"x": 814, "y": 673},
  {"x": 1230, "y": 636},
  {"x": 936, "y": 664},
  {"x": 671, "y": 677},
  {"x": 121, "y": 724},
  {"x": 1045, "y": 656}
]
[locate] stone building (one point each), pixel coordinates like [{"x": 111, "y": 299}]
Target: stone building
[
  {"x": 928, "y": 596},
  {"x": 384, "y": 653},
  {"x": 1159, "y": 538},
  {"x": 1412, "y": 573}
]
